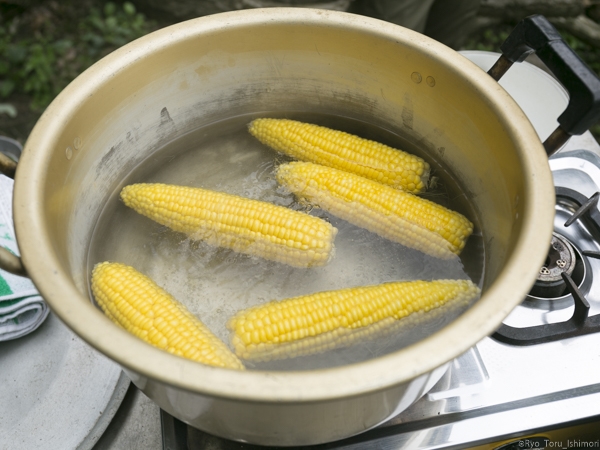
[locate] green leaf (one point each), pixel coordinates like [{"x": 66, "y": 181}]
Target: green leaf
[
  {"x": 129, "y": 8},
  {"x": 16, "y": 53},
  {"x": 110, "y": 9},
  {"x": 97, "y": 23},
  {"x": 111, "y": 22},
  {"x": 62, "y": 46}
]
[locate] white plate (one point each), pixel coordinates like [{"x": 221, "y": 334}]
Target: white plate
[{"x": 56, "y": 392}]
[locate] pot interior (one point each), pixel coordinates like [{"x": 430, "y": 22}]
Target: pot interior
[
  {"x": 215, "y": 283},
  {"x": 173, "y": 106}
]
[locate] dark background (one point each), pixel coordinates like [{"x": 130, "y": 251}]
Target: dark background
[{"x": 44, "y": 44}]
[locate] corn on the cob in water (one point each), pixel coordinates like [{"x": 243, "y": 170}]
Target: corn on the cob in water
[
  {"x": 314, "y": 323},
  {"x": 340, "y": 150},
  {"x": 396, "y": 215},
  {"x": 136, "y": 303},
  {"x": 248, "y": 226}
]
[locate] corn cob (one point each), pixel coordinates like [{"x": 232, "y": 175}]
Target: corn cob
[
  {"x": 370, "y": 159},
  {"x": 314, "y": 323},
  {"x": 248, "y": 226},
  {"x": 396, "y": 215},
  {"x": 136, "y": 303}
]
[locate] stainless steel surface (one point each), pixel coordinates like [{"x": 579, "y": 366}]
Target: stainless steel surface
[{"x": 157, "y": 88}]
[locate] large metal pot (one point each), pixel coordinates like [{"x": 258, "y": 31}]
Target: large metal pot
[{"x": 159, "y": 87}]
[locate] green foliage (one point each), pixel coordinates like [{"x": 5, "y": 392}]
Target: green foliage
[
  {"x": 112, "y": 27},
  {"x": 489, "y": 40},
  {"x": 40, "y": 61},
  {"x": 587, "y": 52}
]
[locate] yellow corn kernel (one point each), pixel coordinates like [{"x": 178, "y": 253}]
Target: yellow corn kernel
[
  {"x": 136, "y": 303},
  {"x": 247, "y": 226},
  {"x": 339, "y": 318},
  {"x": 340, "y": 150},
  {"x": 396, "y": 215}
]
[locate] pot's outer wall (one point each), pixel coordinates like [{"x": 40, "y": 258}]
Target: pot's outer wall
[
  {"x": 303, "y": 423},
  {"x": 159, "y": 87}
]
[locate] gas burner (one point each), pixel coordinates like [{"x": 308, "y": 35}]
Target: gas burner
[
  {"x": 565, "y": 275},
  {"x": 561, "y": 259}
]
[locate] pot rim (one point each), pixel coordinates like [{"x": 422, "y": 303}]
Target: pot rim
[{"x": 77, "y": 312}]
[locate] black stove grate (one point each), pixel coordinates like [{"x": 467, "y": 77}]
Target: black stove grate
[{"x": 580, "y": 322}]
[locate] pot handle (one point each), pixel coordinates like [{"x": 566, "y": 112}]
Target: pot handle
[
  {"x": 536, "y": 34},
  {"x": 7, "y": 166},
  {"x": 8, "y": 261}
]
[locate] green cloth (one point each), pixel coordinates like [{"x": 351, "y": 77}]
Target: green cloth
[
  {"x": 4, "y": 288},
  {"x": 22, "y": 309}
]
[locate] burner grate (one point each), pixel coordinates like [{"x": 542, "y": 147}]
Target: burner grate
[{"x": 580, "y": 322}]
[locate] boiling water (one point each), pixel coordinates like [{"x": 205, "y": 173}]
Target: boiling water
[{"x": 215, "y": 283}]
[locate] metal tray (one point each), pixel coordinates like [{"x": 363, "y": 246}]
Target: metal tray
[{"x": 56, "y": 392}]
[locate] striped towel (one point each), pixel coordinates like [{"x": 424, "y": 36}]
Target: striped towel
[{"x": 22, "y": 309}]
